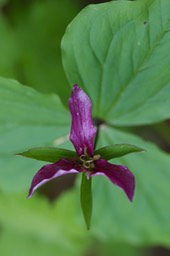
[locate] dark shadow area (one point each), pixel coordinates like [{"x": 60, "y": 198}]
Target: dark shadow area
[
  {"x": 158, "y": 251},
  {"x": 54, "y": 188}
]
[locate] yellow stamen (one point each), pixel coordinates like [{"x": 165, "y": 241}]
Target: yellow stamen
[{"x": 87, "y": 161}]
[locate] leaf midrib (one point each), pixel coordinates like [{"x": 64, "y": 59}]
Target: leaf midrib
[{"x": 125, "y": 88}]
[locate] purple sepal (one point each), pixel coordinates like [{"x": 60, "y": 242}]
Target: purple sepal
[
  {"x": 82, "y": 128},
  {"x": 118, "y": 174},
  {"x": 51, "y": 171}
]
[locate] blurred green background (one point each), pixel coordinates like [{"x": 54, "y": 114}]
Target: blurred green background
[{"x": 30, "y": 35}]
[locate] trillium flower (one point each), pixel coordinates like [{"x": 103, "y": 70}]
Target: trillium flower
[
  {"x": 86, "y": 159},
  {"x": 82, "y": 136}
]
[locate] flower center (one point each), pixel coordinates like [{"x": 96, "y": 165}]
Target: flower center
[{"x": 88, "y": 161}]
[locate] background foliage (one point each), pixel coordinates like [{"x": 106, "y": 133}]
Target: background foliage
[{"x": 126, "y": 46}]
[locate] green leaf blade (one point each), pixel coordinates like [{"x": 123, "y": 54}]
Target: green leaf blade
[
  {"x": 117, "y": 150},
  {"x": 25, "y": 106},
  {"x": 28, "y": 119},
  {"x": 48, "y": 154},
  {"x": 126, "y": 45}
]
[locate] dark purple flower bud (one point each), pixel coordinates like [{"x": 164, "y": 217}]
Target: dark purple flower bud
[{"x": 82, "y": 128}]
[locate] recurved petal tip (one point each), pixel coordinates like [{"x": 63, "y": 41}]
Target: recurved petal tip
[
  {"x": 51, "y": 171},
  {"x": 82, "y": 128},
  {"x": 118, "y": 175}
]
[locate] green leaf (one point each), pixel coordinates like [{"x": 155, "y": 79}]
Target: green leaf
[
  {"x": 126, "y": 45},
  {"x": 37, "y": 227},
  {"x": 27, "y": 119},
  {"x": 86, "y": 199},
  {"x": 48, "y": 154},
  {"x": 145, "y": 220},
  {"x": 117, "y": 150},
  {"x": 25, "y": 106}
]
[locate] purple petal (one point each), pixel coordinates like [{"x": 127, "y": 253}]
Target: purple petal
[
  {"x": 51, "y": 171},
  {"x": 118, "y": 174},
  {"x": 82, "y": 128}
]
